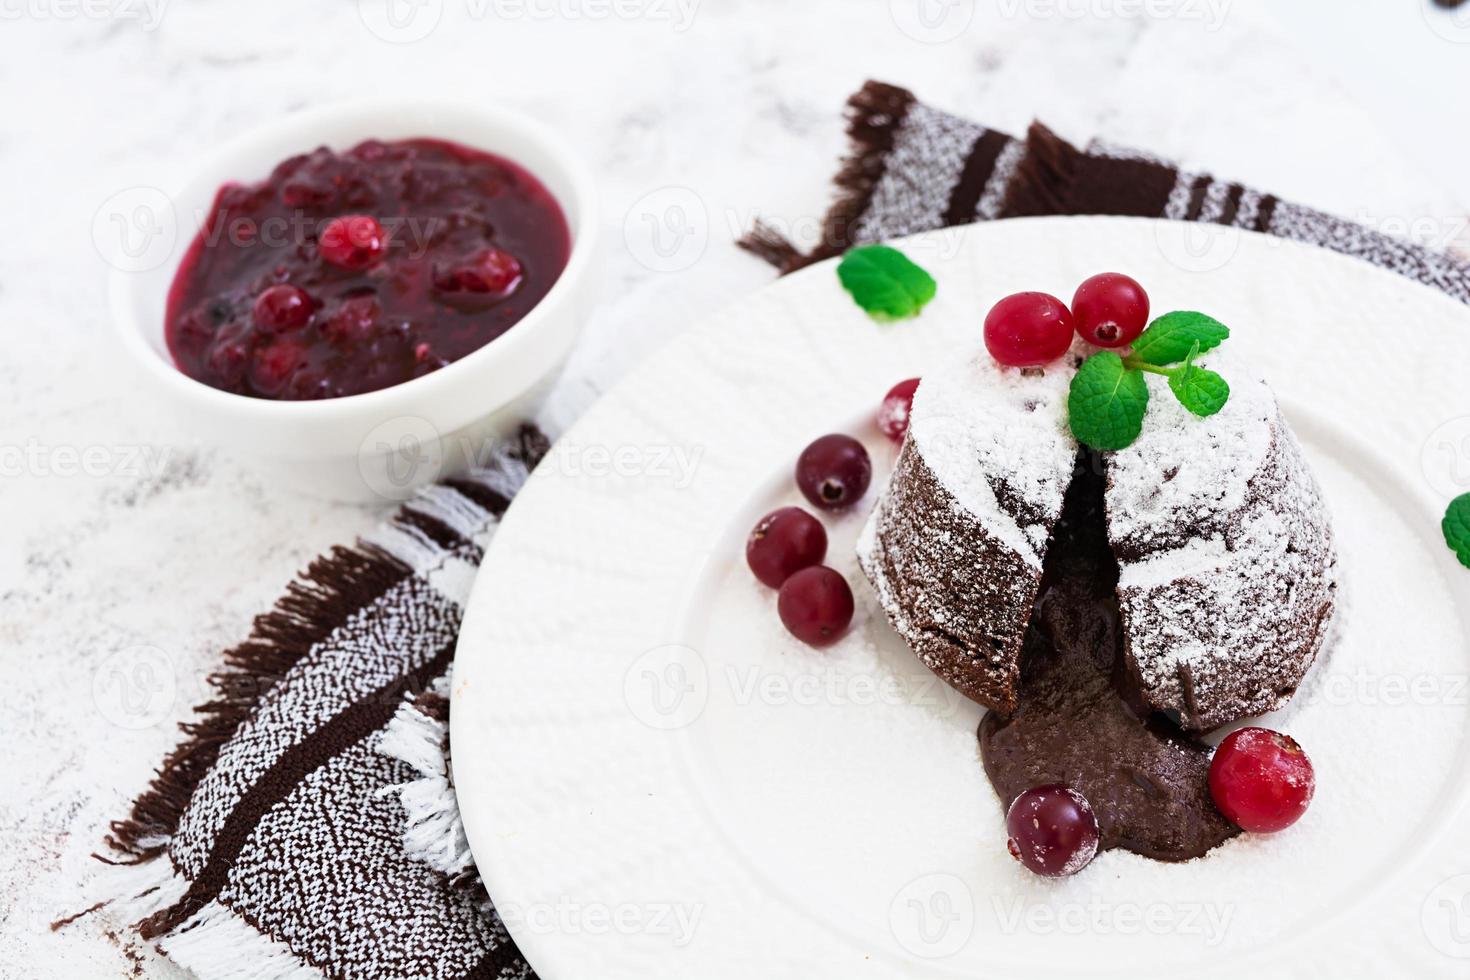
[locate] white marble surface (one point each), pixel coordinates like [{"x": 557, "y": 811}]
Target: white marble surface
[{"x": 125, "y": 543}]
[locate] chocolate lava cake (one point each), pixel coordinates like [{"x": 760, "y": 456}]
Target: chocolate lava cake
[{"x": 1225, "y": 564}]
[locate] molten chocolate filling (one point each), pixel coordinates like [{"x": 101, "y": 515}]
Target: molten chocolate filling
[{"x": 1080, "y": 719}]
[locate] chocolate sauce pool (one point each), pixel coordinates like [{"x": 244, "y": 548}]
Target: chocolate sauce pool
[{"x": 1079, "y": 720}]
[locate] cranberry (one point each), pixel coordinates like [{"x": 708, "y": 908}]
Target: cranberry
[
  {"x": 815, "y": 605},
  {"x": 834, "y": 472},
  {"x": 353, "y": 321},
  {"x": 893, "y": 415},
  {"x": 783, "y": 543},
  {"x": 274, "y": 365},
  {"x": 1028, "y": 330},
  {"x": 1110, "y": 310},
  {"x": 355, "y": 241},
  {"x": 281, "y": 308},
  {"x": 229, "y": 360},
  {"x": 194, "y": 331},
  {"x": 1261, "y": 780},
  {"x": 490, "y": 270},
  {"x": 1052, "y": 829}
]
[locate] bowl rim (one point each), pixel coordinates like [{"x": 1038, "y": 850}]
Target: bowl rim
[{"x": 124, "y": 286}]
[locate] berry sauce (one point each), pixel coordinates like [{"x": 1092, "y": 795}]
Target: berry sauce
[{"x": 402, "y": 257}]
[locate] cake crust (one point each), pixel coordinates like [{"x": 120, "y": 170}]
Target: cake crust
[
  {"x": 919, "y": 557},
  {"x": 977, "y": 489}
]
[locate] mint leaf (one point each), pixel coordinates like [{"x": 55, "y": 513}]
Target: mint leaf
[
  {"x": 1202, "y": 392},
  {"x": 1107, "y": 402},
  {"x": 884, "y": 282},
  {"x": 1457, "y": 528},
  {"x": 1169, "y": 339}
]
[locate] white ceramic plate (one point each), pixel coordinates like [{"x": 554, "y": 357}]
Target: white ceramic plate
[{"x": 658, "y": 782}]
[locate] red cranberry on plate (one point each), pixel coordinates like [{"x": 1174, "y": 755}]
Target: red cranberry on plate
[
  {"x": 354, "y": 241},
  {"x": 834, "y": 472},
  {"x": 1053, "y": 830},
  {"x": 1110, "y": 310},
  {"x": 816, "y": 605},
  {"x": 783, "y": 543},
  {"x": 1261, "y": 780},
  {"x": 893, "y": 414},
  {"x": 1028, "y": 330}
]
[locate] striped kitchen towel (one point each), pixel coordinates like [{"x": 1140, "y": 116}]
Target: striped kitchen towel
[
  {"x": 913, "y": 169},
  {"x": 306, "y": 828}
]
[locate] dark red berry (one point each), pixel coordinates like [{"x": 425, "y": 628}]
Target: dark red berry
[
  {"x": 490, "y": 270},
  {"x": 783, "y": 543},
  {"x": 273, "y": 366},
  {"x": 815, "y": 605},
  {"x": 281, "y": 308},
  {"x": 356, "y": 241},
  {"x": 229, "y": 360},
  {"x": 893, "y": 414},
  {"x": 352, "y": 322},
  {"x": 1261, "y": 780},
  {"x": 1052, "y": 829},
  {"x": 1028, "y": 330},
  {"x": 1110, "y": 310},
  {"x": 834, "y": 472}
]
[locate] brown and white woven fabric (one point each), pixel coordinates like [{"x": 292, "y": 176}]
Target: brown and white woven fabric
[
  {"x": 914, "y": 169},
  {"x": 302, "y": 829},
  {"x": 308, "y": 828}
]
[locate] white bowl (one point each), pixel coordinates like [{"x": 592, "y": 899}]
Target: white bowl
[{"x": 386, "y": 443}]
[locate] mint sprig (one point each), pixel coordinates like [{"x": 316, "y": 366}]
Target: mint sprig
[
  {"x": 1107, "y": 402},
  {"x": 1201, "y": 391},
  {"x": 1109, "y": 397},
  {"x": 1169, "y": 339},
  {"x": 885, "y": 282},
  {"x": 1456, "y": 528}
]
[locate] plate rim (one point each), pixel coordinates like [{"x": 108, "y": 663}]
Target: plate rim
[{"x": 538, "y": 948}]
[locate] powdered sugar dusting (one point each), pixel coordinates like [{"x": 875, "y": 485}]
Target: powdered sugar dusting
[
  {"x": 1227, "y": 624},
  {"x": 1184, "y": 471},
  {"x": 997, "y": 440}
]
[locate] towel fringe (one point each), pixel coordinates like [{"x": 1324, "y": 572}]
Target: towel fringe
[
  {"x": 874, "y": 115},
  {"x": 332, "y": 588}
]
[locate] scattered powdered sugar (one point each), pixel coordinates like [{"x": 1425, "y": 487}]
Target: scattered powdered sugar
[
  {"x": 1188, "y": 472},
  {"x": 997, "y": 440}
]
